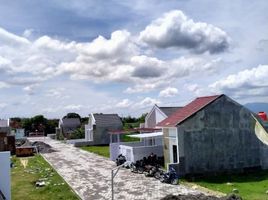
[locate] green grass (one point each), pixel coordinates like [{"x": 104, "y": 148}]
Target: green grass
[
  {"x": 125, "y": 138},
  {"x": 23, "y": 181},
  {"x": 100, "y": 150},
  {"x": 251, "y": 186}
]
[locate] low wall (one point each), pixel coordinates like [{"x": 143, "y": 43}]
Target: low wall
[
  {"x": 5, "y": 186},
  {"x": 140, "y": 152}
]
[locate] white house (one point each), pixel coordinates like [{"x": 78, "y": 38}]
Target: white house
[
  {"x": 99, "y": 125},
  {"x": 158, "y": 114}
]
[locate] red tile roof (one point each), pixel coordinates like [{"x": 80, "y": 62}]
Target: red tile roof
[{"x": 187, "y": 111}]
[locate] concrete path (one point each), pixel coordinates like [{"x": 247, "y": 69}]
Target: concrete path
[{"x": 90, "y": 176}]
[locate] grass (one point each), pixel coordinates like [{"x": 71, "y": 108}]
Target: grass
[
  {"x": 252, "y": 186},
  {"x": 126, "y": 138},
  {"x": 23, "y": 181},
  {"x": 100, "y": 150}
]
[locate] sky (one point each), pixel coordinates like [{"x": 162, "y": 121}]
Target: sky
[{"x": 123, "y": 57}]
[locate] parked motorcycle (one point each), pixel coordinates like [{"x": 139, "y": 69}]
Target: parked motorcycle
[
  {"x": 120, "y": 160},
  {"x": 154, "y": 171},
  {"x": 170, "y": 177}
]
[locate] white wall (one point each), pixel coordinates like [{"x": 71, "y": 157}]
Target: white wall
[
  {"x": 159, "y": 116},
  {"x": 5, "y": 174}
]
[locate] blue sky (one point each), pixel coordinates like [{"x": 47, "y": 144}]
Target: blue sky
[{"x": 123, "y": 57}]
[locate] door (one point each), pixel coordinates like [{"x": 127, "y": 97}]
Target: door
[{"x": 175, "y": 153}]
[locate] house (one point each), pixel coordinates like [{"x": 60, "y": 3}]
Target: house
[
  {"x": 7, "y": 141},
  {"x": 67, "y": 126},
  {"x": 98, "y": 127},
  {"x": 213, "y": 134},
  {"x": 158, "y": 114},
  {"x": 150, "y": 139},
  {"x": 5, "y": 183},
  {"x": 4, "y": 126},
  {"x": 16, "y": 129}
]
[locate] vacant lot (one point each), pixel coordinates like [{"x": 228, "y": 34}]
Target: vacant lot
[
  {"x": 100, "y": 150},
  {"x": 27, "y": 171},
  {"x": 251, "y": 186}
]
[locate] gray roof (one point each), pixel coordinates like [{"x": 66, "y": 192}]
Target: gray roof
[
  {"x": 106, "y": 120},
  {"x": 169, "y": 110},
  {"x": 71, "y": 122}
]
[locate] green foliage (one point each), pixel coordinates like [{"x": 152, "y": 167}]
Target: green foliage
[
  {"x": 78, "y": 134},
  {"x": 100, "y": 150},
  {"x": 51, "y": 125},
  {"x": 72, "y": 115},
  {"x": 39, "y": 123},
  {"x": 132, "y": 122},
  {"x": 125, "y": 138}
]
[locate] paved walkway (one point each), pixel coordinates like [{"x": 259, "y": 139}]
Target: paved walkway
[{"x": 90, "y": 176}]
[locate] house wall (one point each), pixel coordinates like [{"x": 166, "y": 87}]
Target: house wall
[
  {"x": 101, "y": 135},
  {"x": 150, "y": 122},
  {"x": 137, "y": 153},
  {"x": 5, "y": 186},
  {"x": 220, "y": 137},
  {"x": 166, "y": 145},
  {"x": 154, "y": 117}
]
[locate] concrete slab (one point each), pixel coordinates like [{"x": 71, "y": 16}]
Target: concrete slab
[{"x": 90, "y": 176}]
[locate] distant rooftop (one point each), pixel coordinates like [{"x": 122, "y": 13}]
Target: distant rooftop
[{"x": 107, "y": 120}]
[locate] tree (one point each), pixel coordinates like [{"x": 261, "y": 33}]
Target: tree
[{"x": 72, "y": 115}]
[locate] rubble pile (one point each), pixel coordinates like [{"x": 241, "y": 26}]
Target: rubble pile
[{"x": 43, "y": 147}]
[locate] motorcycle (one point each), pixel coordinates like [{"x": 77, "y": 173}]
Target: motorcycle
[
  {"x": 120, "y": 160},
  {"x": 170, "y": 177},
  {"x": 155, "y": 171}
]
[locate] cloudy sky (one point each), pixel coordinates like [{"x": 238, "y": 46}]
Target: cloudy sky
[{"x": 123, "y": 57}]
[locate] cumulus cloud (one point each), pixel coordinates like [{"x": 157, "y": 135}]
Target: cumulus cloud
[
  {"x": 119, "y": 58},
  {"x": 125, "y": 103},
  {"x": 7, "y": 38},
  {"x": 30, "y": 89},
  {"x": 247, "y": 82},
  {"x": 168, "y": 92},
  {"x": 147, "y": 102},
  {"x": 175, "y": 29}
]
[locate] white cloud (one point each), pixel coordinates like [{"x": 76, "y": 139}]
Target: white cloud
[
  {"x": 175, "y": 29},
  {"x": 73, "y": 107},
  {"x": 247, "y": 82},
  {"x": 115, "y": 59},
  {"x": 55, "y": 92},
  {"x": 168, "y": 92},
  {"x": 27, "y": 33},
  {"x": 125, "y": 103},
  {"x": 3, "y": 85},
  {"x": 30, "y": 89},
  {"x": 147, "y": 102},
  {"x": 7, "y": 38}
]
